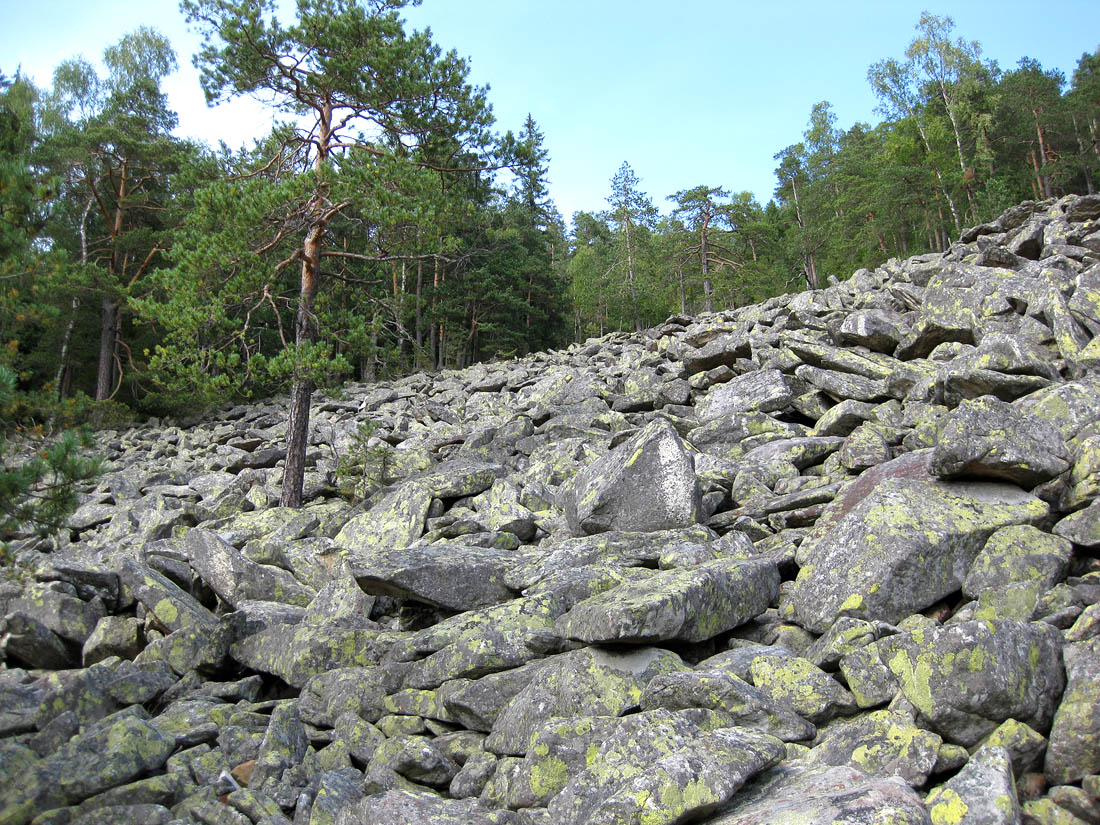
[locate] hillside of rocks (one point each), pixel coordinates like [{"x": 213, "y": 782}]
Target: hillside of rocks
[{"x": 833, "y": 558}]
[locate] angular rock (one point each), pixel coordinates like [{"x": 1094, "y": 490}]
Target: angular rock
[
  {"x": 234, "y": 578},
  {"x": 399, "y": 807},
  {"x": 393, "y": 523},
  {"x": 689, "y": 783},
  {"x": 451, "y": 576},
  {"x": 903, "y": 547},
  {"x": 1074, "y": 748},
  {"x": 1018, "y": 554},
  {"x": 881, "y": 743},
  {"x": 819, "y": 795},
  {"x": 644, "y": 771},
  {"x": 295, "y": 653},
  {"x": 761, "y": 391},
  {"x": 111, "y": 753},
  {"x": 745, "y": 705},
  {"x": 984, "y": 791},
  {"x": 967, "y": 678},
  {"x": 797, "y": 684},
  {"x": 1083, "y": 527},
  {"x": 988, "y": 438},
  {"x": 692, "y": 603},
  {"x": 599, "y": 682},
  {"x": 647, "y": 483}
]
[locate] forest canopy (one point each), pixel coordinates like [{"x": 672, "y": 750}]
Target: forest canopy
[{"x": 390, "y": 224}]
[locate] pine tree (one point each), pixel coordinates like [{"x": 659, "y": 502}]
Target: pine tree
[{"x": 375, "y": 105}]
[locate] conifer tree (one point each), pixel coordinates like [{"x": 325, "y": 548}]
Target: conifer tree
[{"x": 374, "y": 104}]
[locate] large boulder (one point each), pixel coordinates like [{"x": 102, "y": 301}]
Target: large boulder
[
  {"x": 597, "y": 681},
  {"x": 234, "y": 578},
  {"x": 825, "y": 795},
  {"x": 661, "y": 768},
  {"x": 967, "y": 678},
  {"x": 1074, "y": 749},
  {"x": 904, "y": 546},
  {"x": 688, "y": 603},
  {"x": 989, "y": 438},
  {"x": 647, "y": 483},
  {"x": 451, "y": 576}
]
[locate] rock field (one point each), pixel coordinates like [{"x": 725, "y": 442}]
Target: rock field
[{"x": 833, "y": 558}]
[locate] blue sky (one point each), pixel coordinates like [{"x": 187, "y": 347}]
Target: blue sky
[{"x": 700, "y": 91}]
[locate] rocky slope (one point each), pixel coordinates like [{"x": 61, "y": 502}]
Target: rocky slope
[{"x": 831, "y": 558}]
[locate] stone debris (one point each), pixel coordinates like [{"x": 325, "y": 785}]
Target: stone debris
[{"x": 832, "y": 558}]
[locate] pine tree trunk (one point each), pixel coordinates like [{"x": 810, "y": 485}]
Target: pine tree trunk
[
  {"x": 1044, "y": 178},
  {"x": 1081, "y": 148},
  {"x": 66, "y": 339},
  {"x": 419, "y": 330},
  {"x": 301, "y": 393},
  {"x": 630, "y": 279},
  {"x": 108, "y": 332},
  {"x": 708, "y": 288}
]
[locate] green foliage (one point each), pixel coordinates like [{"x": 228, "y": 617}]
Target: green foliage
[
  {"x": 387, "y": 228},
  {"x": 39, "y": 474},
  {"x": 364, "y": 466}
]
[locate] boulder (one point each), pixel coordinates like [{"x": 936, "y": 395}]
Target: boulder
[
  {"x": 1074, "y": 748},
  {"x": 983, "y": 791},
  {"x": 967, "y": 678},
  {"x": 451, "y": 576},
  {"x": 688, "y": 603},
  {"x": 989, "y": 438},
  {"x": 903, "y": 547},
  {"x": 825, "y": 795},
  {"x": 645, "y": 484}
]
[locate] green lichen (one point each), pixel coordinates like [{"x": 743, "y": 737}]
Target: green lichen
[{"x": 548, "y": 777}]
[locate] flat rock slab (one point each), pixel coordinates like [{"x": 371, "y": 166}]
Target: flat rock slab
[
  {"x": 660, "y": 767},
  {"x": 816, "y": 795},
  {"x": 760, "y": 391},
  {"x": 647, "y": 483},
  {"x": 398, "y": 807},
  {"x": 690, "y": 604},
  {"x": 296, "y": 653},
  {"x": 113, "y": 752},
  {"x": 903, "y": 547},
  {"x": 724, "y": 692},
  {"x": 393, "y": 523},
  {"x": 234, "y": 578},
  {"x": 451, "y": 576}
]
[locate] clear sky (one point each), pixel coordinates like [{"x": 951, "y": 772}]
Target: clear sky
[{"x": 690, "y": 92}]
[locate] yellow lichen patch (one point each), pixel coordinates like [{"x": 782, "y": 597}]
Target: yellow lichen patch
[{"x": 946, "y": 807}]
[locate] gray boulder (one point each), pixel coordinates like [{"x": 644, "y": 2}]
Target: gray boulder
[
  {"x": 658, "y": 767},
  {"x": 599, "y": 682},
  {"x": 760, "y": 391},
  {"x": 821, "y": 795},
  {"x": 234, "y": 578},
  {"x": 647, "y": 483},
  {"x": 967, "y": 678},
  {"x": 903, "y": 547},
  {"x": 451, "y": 576},
  {"x": 989, "y": 438},
  {"x": 399, "y": 807},
  {"x": 984, "y": 790},
  {"x": 1074, "y": 748},
  {"x": 716, "y": 690},
  {"x": 689, "y": 603}
]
